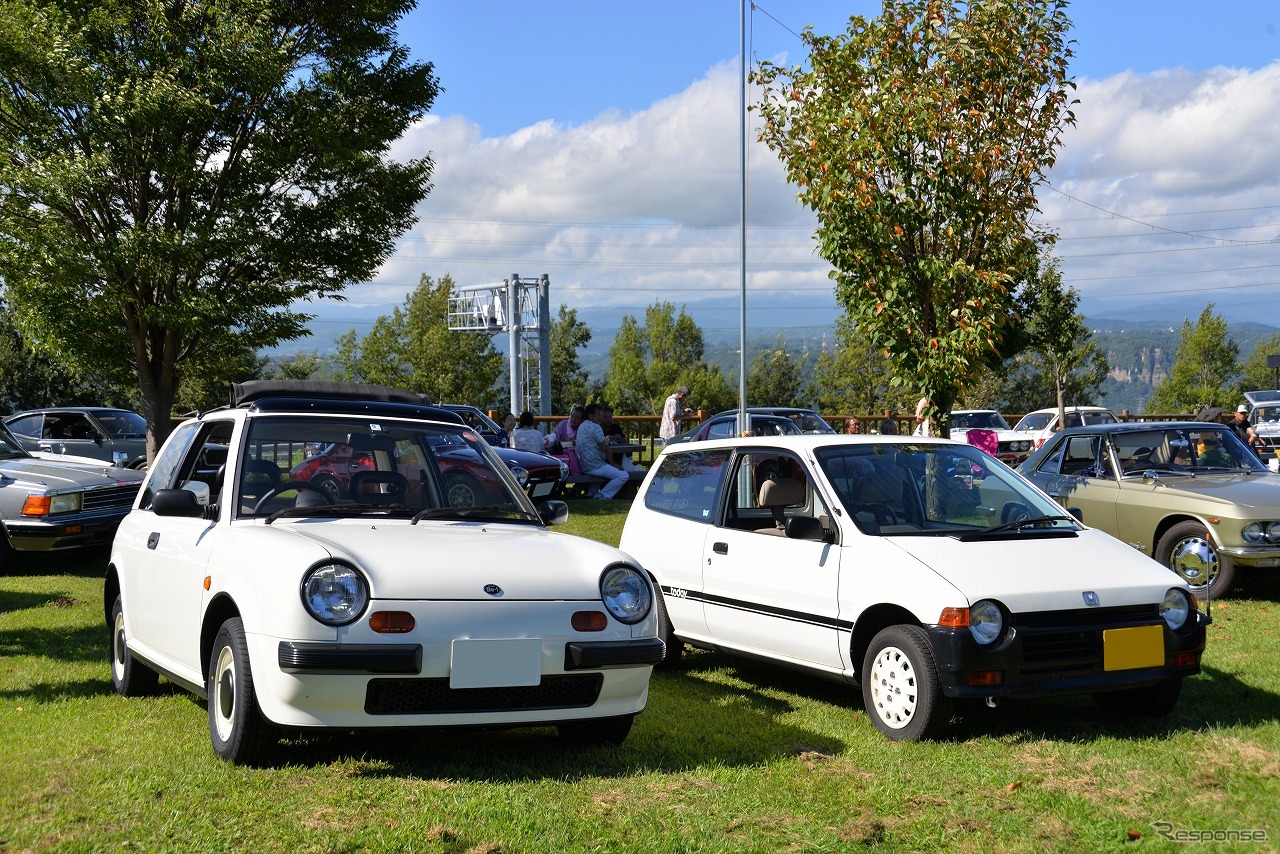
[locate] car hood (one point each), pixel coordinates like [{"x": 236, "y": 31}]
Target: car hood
[
  {"x": 1044, "y": 573},
  {"x": 1244, "y": 490},
  {"x": 457, "y": 560},
  {"x": 56, "y": 472}
]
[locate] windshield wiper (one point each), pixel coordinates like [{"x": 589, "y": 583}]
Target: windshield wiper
[
  {"x": 334, "y": 510},
  {"x": 1016, "y": 525},
  {"x": 463, "y": 512}
]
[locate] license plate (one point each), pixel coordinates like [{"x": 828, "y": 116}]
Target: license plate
[
  {"x": 495, "y": 663},
  {"x": 542, "y": 489},
  {"x": 1130, "y": 649}
]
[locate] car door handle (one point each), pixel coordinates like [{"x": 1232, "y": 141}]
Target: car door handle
[
  {"x": 153, "y": 540},
  {"x": 720, "y": 548}
]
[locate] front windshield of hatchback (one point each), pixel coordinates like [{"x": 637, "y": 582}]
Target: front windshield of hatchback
[
  {"x": 928, "y": 489},
  {"x": 1034, "y": 421},
  {"x": 977, "y": 420},
  {"x": 318, "y": 465}
]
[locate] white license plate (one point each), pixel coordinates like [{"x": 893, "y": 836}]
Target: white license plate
[
  {"x": 542, "y": 489},
  {"x": 495, "y": 663}
]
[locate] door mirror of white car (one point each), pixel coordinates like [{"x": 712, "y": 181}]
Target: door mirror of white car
[
  {"x": 806, "y": 528},
  {"x": 176, "y": 502},
  {"x": 553, "y": 512}
]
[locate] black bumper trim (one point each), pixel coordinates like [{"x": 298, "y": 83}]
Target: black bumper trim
[
  {"x": 579, "y": 655},
  {"x": 350, "y": 657}
]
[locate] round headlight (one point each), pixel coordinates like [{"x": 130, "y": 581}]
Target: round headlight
[
  {"x": 521, "y": 473},
  {"x": 1176, "y": 608},
  {"x": 1273, "y": 532},
  {"x": 335, "y": 593},
  {"x": 626, "y": 593},
  {"x": 1252, "y": 532},
  {"x": 986, "y": 622}
]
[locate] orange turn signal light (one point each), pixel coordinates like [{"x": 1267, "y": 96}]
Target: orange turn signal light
[
  {"x": 954, "y": 618},
  {"x": 589, "y": 621},
  {"x": 37, "y": 505},
  {"x": 392, "y": 622},
  {"x": 985, "y": 678}
]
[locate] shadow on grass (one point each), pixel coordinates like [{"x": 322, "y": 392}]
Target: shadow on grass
[
  {"x": 87, "y": 643},
  {"x": 90, "y": 562}
]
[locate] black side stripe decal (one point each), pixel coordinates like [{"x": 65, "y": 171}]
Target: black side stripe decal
[{"x": 754, "y": 608}]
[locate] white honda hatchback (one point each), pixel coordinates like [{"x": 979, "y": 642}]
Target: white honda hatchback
[
  {"x": 922, "y": 569},
  {"x": 367, "y": 600}
]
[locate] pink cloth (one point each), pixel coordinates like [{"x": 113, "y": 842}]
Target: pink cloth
[{"x": 983, "y": 440}]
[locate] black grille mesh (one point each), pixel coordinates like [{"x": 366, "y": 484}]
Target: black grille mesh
[{"x": 434, "y": 696}]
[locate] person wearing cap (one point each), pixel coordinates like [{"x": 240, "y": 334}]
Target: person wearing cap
[
  {"x": 1242, "y": 428},
  {"x": 672, "y": 413}
]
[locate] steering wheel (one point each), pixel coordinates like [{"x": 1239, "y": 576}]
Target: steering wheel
[{"x": 285, "y": 487}]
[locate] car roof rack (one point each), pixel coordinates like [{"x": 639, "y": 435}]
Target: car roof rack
[{"x": 251, "y": 390}]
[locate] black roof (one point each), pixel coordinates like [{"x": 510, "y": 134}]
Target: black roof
[{"x": 337, "y": 398}]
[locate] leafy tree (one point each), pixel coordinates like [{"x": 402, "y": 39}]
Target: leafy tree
[
  {"x": 774, "y": 378},
  {"x": 1202, "y": 369},
  {"x": 568, "y": 377},
  {"x": 918, "y": 139},
  {"x": 854, "y": 378},
  {"x": 647, "y": 363},
  {"x": 413, "y": 348},
  {"x": 1255, "y": 375},
  {"x": 1062, "y": 352},
  {"x": 177, "y": 175},
  {"x": 299, "y": 366},
  {"x": 207, "y": 384}
]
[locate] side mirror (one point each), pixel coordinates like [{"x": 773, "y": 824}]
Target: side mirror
[
  {"x": 805, "y": 528},
  {"x": 176, "y": 502},
  {"x": 553, "y": 512},
  {"x": 1077, "y": 513}
]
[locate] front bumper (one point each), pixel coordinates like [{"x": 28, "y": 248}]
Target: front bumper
[
  {"x": 1261, "y": 556},
  {"x": 41, "y": 534},
  {"x": 1042, "y": 655}
]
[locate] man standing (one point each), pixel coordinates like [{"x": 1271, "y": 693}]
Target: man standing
[
  {"x": 594, "y": 454},
  {"x": 1242, "y": 428},
  {"x": 672, "y": 412}
]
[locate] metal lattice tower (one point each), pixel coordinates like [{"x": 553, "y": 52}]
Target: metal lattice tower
[{"x": 520, "y": 308}]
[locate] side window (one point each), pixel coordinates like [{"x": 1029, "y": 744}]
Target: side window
[
  {"x": 1081, "y": 457},
  {"x": 28, "y": 427},
  {"x": 723, "y": 430},
  {"x": 163, "y": 473},
  {"x": 1053, "y": 463},
  {"x": 687, "y": 484},
  {"x": 76, "y": 426},
  {"x": 767, "y": 488}
]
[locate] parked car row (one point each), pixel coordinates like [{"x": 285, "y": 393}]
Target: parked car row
[{"x": 1032, "y": 430}]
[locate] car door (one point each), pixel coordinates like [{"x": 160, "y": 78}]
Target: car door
[
  {"x": 163, "y": 559},
  {"x": 766, "y": 593},
  {"x": 1078, "y": 474}
]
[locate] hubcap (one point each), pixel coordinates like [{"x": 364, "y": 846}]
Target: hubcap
[
  {"x": 224, "y": 693},
  {"x": 117, "y": 657},
  {"x": 1196, "y": 561},
  {"x": 893, "y": 687}
]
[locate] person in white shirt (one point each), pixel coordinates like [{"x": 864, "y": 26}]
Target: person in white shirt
[
  {"x": 672, "y": 412},
  {"x": 526, "y": 437},
  {"x": 594, "y": 454}
]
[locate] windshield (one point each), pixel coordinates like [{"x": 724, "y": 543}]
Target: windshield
[
  {"x": 9, "y": 447},
  {"x": 1034, "y": 422},
  {"x": 933, "y": 489},
  {"x": 331, "y": 466},
  {"x": 1182, "y": 449},
  {"x": 978, "y": 420}
]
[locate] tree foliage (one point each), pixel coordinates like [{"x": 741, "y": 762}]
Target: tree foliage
[
  {"x": 775, "y": 378},
  {"x": 1254, "y": 373},
  {"x": 1063, "y": 354},
  {"x": 569, "y": 379},
  {"x": 178, "y": 175},
  {"x": 647, "y": 363},
  {"x": 853, "y": 377},
  {"x": 1203, "y": 368},
  {"x": 413, "y": 348},
  {"x": 918, "y": 139}
]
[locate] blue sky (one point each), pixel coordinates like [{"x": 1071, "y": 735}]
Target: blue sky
[{"x": 597, "y": 142}]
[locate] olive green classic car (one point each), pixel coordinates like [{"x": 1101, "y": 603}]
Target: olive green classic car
[{"x": 1189, "y": 494}]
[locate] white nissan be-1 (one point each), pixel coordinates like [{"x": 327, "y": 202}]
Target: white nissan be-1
[
  {"x": 922, "y": 569},
  {"x": 293, "y": 605}
]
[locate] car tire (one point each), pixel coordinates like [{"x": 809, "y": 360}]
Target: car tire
[
  {"x": 1188, "y": 551},
  {"x": 1013, "y": 511},
  {"x": 900, "y": 686},
  {"x": 601, "y": 731},
  {"x": 130, "y": 677},
  {"x": 675, "y": 646},
  {"x": 329, "y": 485},
  {"x": 462, "y": 491},
  {"x": 1149, "y": 701},
  {"x": 239, "y": 733}
]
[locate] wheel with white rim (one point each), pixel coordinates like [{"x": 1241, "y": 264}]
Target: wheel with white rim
[
  {"x": 900, "y": 686},
  {"x": 237, "y": 729},
  {"x": 130, "y": 677}
]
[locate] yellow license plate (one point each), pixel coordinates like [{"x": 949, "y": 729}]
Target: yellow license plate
[{"x": 1130, "y": 649}]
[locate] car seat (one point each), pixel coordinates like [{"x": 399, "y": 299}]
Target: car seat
[
  {"x": 378, "y": 487},
  {"x": 779, "y": 494},
  {"x": 257, "y": 478}
]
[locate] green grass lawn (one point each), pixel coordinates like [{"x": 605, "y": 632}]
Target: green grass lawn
[{"x": 729, "y": 756}]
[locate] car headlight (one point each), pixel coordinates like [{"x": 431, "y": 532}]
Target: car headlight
[
  {"x": 1176, "y": 608},
  {"x": 67, "y": 503},
  {"x": 626, "y": 593},
  {"x": 521, "y": 473},
  {"x": 986, "y": 621},
  {"x": 335, "y": 593},
  {"x": 1273, "y": 532},
  {"x": 39, "y": 504},
  {"x": 564, "y": 469},
  {"x": 1252, "y": 532}
]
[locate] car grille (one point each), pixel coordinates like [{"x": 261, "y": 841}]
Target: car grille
[
  {"x": 1064, "y": 638},
  {"x": 110, "y": 497},
  {"x": 434, "y": 696}
]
